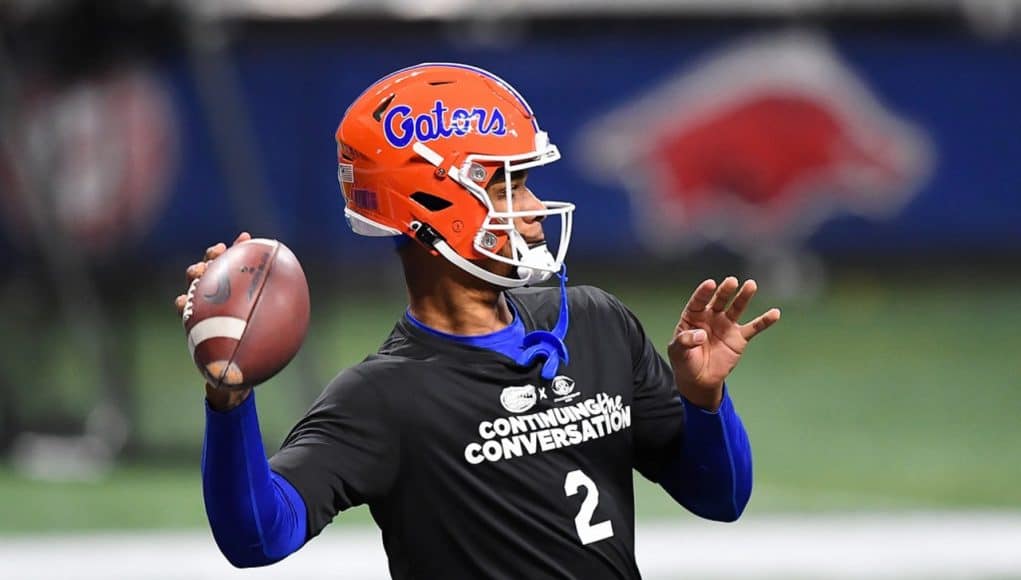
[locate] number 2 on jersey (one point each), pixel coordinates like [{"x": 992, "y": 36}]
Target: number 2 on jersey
[{"x": 587, "y": 531}]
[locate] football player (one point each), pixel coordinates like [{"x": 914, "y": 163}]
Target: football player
[{"x": 494, "y": 433}]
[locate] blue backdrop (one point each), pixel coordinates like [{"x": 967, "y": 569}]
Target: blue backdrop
[{"x": 962, "y": 92}]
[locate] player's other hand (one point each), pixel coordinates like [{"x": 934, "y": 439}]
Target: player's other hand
[
  {"x": 709, "y": 339},
  {"x": 219, "y": 399}
]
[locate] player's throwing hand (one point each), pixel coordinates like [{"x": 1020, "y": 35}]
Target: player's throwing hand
[
  {"x": 220, "y": 400},
  {"x": 708, "y": 341}
]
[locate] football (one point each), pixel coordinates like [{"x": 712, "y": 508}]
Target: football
[{"x": 247, "y": 316}]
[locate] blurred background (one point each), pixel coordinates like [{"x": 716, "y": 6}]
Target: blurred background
[{"x": 860, "y": 158}]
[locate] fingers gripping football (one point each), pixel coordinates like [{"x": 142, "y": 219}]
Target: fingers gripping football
[
  {"x": 195, "y": 271},
  {"x": 246, "y": 311}
]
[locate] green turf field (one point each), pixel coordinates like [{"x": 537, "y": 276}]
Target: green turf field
[{"x": 883, "y": 394}]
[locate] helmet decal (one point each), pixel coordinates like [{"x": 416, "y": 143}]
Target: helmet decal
[{"x": 400, "y": 126}]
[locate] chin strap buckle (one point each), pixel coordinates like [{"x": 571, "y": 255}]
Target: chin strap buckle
[{"x": 426, "y": 234}]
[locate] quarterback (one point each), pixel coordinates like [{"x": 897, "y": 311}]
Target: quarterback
[{"x": 494, "y": 433}]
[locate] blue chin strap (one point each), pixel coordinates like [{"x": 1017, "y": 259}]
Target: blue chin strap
[{"x": 544, "y": 343}]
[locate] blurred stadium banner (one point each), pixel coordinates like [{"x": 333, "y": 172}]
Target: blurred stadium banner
[
  {"x": 756, "y": 143},
  {"x": 813, "y": 133}
]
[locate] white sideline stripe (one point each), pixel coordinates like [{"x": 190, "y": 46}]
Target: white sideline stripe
[
  {"x": 893, "y": 545},
  {"x": 263, "y": 241},
  {"x": 215, "y": 327}
]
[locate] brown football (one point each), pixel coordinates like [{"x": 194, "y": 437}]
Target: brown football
[{"x": 246, "y": 317}]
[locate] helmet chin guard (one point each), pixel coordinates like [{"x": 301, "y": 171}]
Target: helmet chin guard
[{"x": 538, "y": 265}]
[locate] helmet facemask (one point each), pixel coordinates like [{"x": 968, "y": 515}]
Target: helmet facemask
[{"x": 534, "y": 264}]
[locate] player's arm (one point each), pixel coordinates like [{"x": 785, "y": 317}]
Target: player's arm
[
  {"x": 700, "y": 457},
  {"x": 257, "y": 517},
  {"x": 710, "y": 471},
  {"x": 688, "y": 435},
  {"x": 712, "y": 474},
  {"x": 343, "y": 453}
]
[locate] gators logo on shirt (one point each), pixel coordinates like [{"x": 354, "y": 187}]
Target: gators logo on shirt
[{"x": 518, "y": 399}]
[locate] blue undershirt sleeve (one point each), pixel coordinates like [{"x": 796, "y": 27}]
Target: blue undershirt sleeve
[
  {"x": 257, "y": 517},
  {"x": 711, "y": 475}
]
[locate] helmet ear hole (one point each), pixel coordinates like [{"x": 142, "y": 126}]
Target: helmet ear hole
[{"x": 430, "y": 201}]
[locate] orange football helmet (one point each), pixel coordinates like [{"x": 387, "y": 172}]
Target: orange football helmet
[{"x": 416, "y": 151}]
